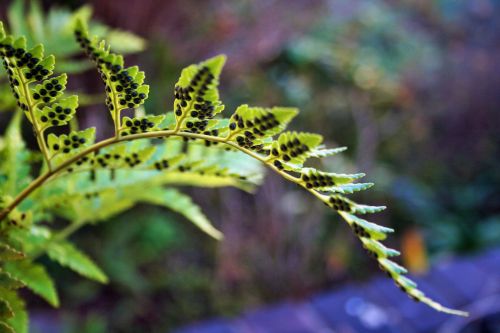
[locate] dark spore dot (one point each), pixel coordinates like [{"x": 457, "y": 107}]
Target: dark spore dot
[
  {"x": 36, "y": 96},
  {"x": 278, "y": 164},
  {"x": 55, "y": 147},
  {"x": 43, "y": 119}
]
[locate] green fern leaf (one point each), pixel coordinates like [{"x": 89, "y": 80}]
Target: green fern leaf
[
  {"x": 18, "y": 323},
  {"x": 50, "y": 90},
  {"x": 252, "y": 127},
  {"x": 69, "y": 256},
  {"x": 292, "y": 149},
  {"x": 65, "y": 145},
  {"x": 373, "y": 230},
  {"x": 183, "y": 205},
  {"x": 57, "y": 114},
  {"x": 197, "y": 97},
  {"x": 44, "y": 105},
  {"x": 321, "y": 152},
  {"x": 5, "y": 310},
  {"x": 124, "y": 86},
  {"x": 325, "y": 179},
  {"x": 8, "y": 282},
  {"x": 35, "y": 278},
  {"x": 8, "y": 253}
]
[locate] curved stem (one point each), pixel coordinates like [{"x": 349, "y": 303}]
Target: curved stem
[
  {"x": 148, "y": 135},
  {"x": 38, "y": 131},
  {"x": 116, "y": 115}
]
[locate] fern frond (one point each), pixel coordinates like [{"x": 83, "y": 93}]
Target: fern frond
[
  {"x": 124, "y": 166},
  {"x": 251, "y": 127},
  {"x": 197, "y": 97},
  {"x": 125, "y": 87},
  {"x": 292, "y": 149},
  {"x": 8, "y": 253},
  {"x": 35, "y": 278},
  {"x": 68, "y": 255},
  {"x": 44, "y": 104},
  {"x": 182, "y": 204},
  {"x": 16, "y": 320}
]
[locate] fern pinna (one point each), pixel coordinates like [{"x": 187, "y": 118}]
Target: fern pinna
[{"x": 86, "y": 181}]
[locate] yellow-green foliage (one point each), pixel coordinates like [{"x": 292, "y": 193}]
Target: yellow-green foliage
[{"x": 85, "y": 181}]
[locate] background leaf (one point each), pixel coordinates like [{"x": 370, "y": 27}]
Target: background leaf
[{"x": 68, "y": 255}]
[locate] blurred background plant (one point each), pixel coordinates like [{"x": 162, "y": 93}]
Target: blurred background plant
[{"x": 410, "y": 86}]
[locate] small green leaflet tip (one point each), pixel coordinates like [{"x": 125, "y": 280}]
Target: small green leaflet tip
[
  {"x": 80, "y": 25},
  {"x": 216, "y": 63}
]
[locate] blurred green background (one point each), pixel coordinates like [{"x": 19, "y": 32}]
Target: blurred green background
[{"x": 412, "y": 87}]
